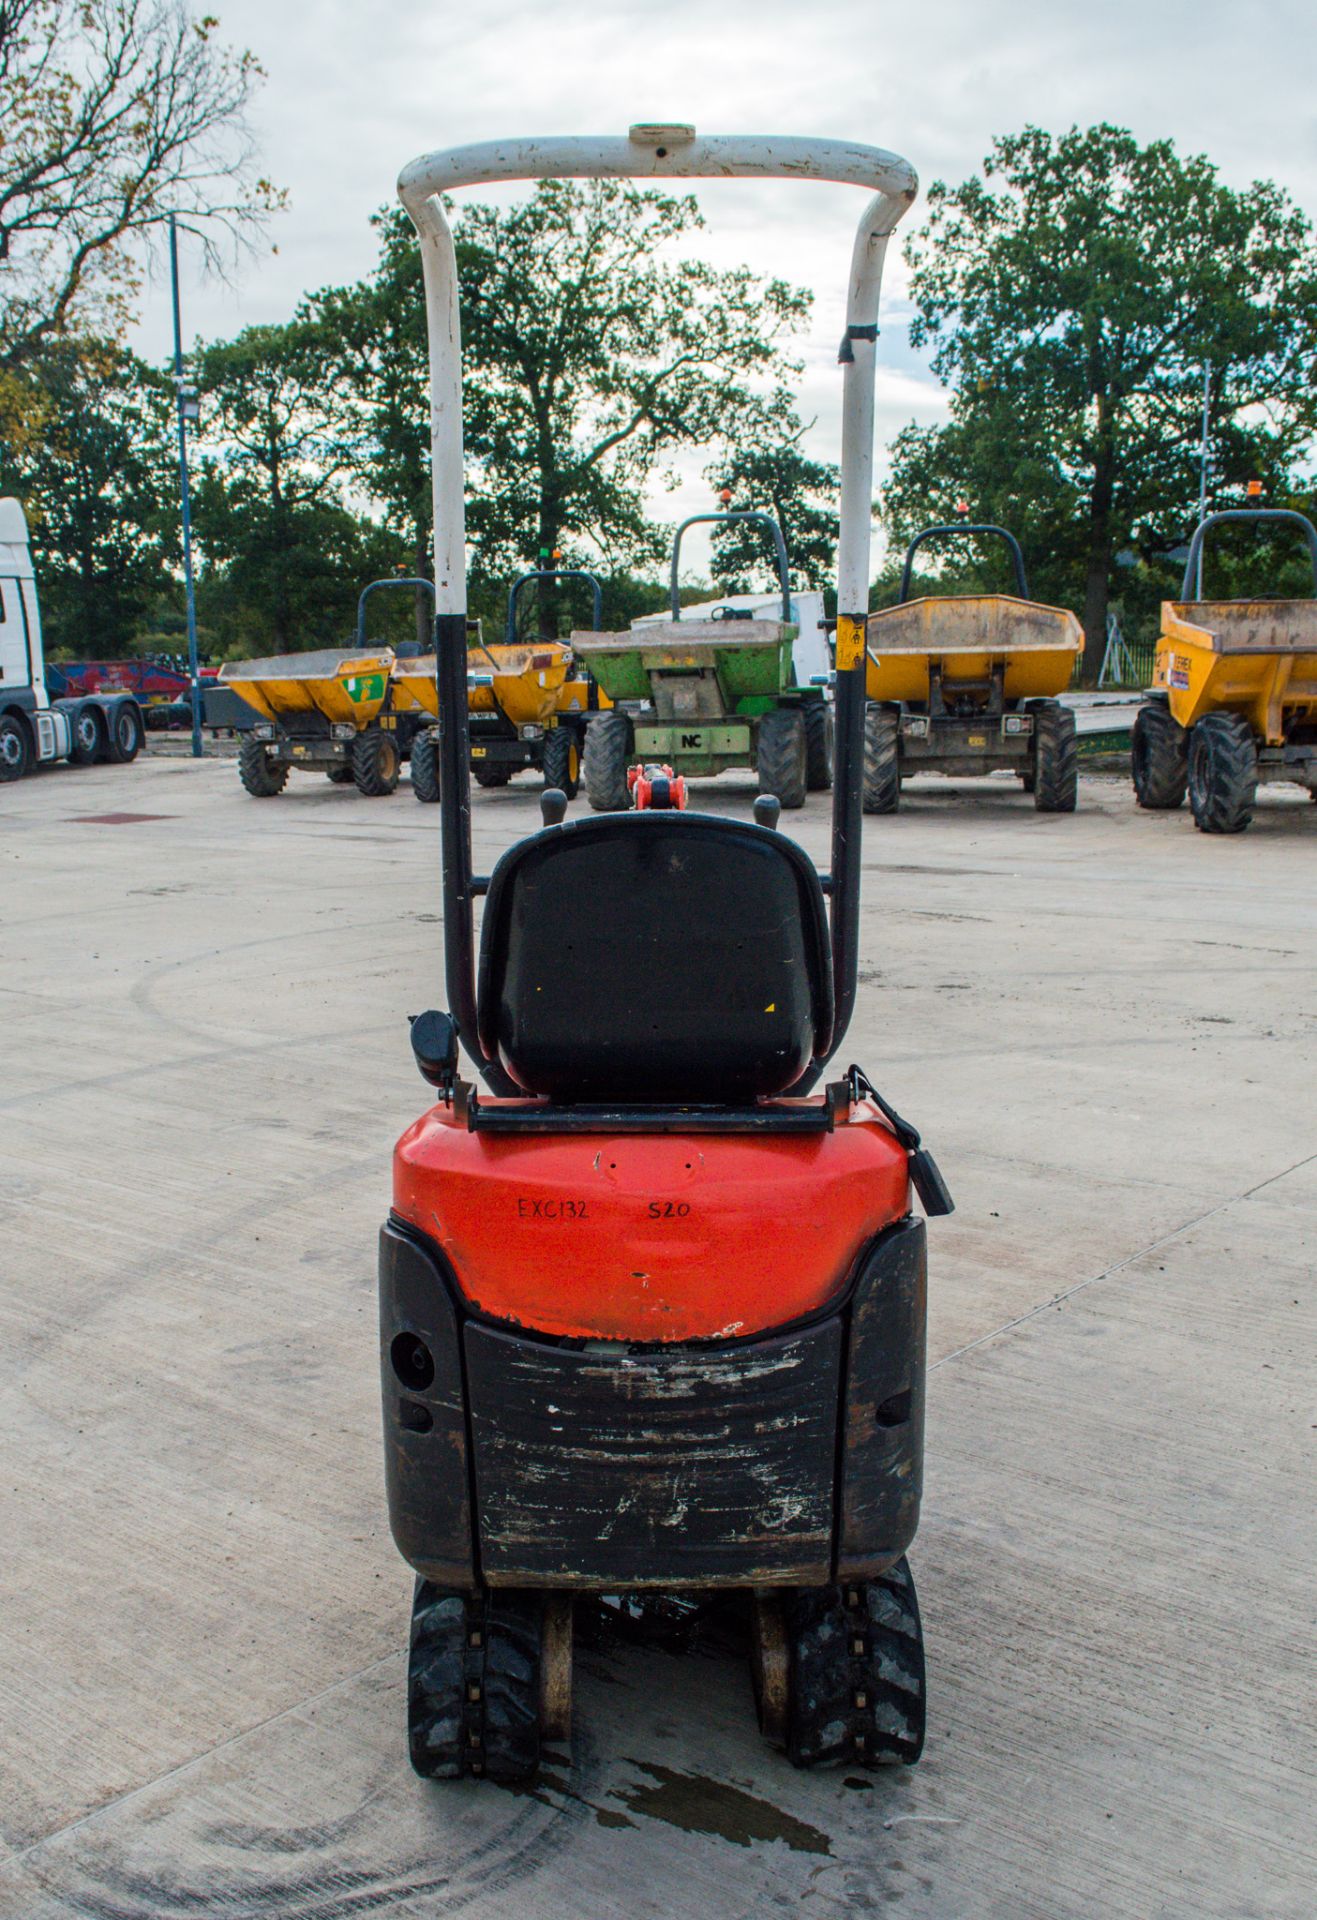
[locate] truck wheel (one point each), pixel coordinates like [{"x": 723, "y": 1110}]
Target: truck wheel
[
  {"x": 375, "y": 764},
  {"x": 126, "y": 731},
  {"x": 1223, "y": 773},
  {"x": 425, "y": 767},
  {"x": 15, "y": 747},
  {"x": 262, "y": 777},
  {"x": 562, "y": 761},
  {"x": 1159, "y": 758},
  {"x": 605, "y": 761},
  {"x": 491, "y": 776},
  {"x": 1055, "y": 758},
  {"x": 88, "y": 737},
  {"x": 340, "y": 776},
  {"x": 819, "y": 732},
  {"x": 882, "y": 760},
  {"x": 473, "y": 1683},
  {"x": 856, "y": 1691},
  {"x": 782, "y": 756}
]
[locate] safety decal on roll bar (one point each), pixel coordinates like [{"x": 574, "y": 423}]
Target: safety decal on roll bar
[{"x": 850, "y": 642}]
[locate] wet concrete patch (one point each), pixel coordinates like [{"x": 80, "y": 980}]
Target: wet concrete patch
[{"x": 698, "y": 1804}]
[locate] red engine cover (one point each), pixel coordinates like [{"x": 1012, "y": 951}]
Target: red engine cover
[{"x": 650, "y": 1237}]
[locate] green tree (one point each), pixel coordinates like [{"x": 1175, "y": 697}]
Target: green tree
[
  {"x": 97, "y": 478},
  {"x": 800, "y": 493},
  {"x": 592, "y": 353},
  {"x": 285, "y": 552},
  {"x": 113, "y": 115},
  {"x": 1072, "y": 297}
]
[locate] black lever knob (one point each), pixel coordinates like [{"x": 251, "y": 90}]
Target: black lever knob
[
  {"x": 767, "y": 809},
  {"x": 553, "y": 806}
]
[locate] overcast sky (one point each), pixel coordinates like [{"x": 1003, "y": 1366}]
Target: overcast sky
[{"x": 353, "y": 92}]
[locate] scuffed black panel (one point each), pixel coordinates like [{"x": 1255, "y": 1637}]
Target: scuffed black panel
[
  {"x": 883, "y": 1440},
  {"x": 689, "y": 1466},
  {"x": 425, "y": 1450}
]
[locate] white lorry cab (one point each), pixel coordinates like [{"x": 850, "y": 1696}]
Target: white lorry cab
[{"x": 33, "y": 727}]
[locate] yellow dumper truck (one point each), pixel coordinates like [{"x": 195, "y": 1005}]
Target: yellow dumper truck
[
  {"x": 324, "y": 712},
  {"x": 967, "y": 684},
  {"x": 1234, "y": 694},
  {"x": 528, "y": 702}
]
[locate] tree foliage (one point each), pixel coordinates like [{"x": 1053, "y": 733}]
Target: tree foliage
[
  {"x": 802, "y": 496},
  {"x": 1072, "y": 296},
  {"x": 592, "y": 354},
  {"x": 284, "y": 552},
  {"x": 113, "y": 115},
  {"x": 97, "y": 479}
]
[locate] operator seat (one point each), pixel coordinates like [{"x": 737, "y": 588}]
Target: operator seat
[{"x": 655, "y": 957}]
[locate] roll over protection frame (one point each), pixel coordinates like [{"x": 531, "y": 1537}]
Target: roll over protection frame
[
  {"x": 742, "y": 513},
  {"x": 939, "y": 533},
  {"x": 1287, "y": 514},
  {"x": 553, "y": 573},
  {"x": 652, "y": 152}
]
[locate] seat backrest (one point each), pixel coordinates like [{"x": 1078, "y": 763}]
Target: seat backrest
[{"x": 645, "y": 958}]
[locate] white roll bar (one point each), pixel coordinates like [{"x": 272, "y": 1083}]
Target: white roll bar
[{"x": 659, "y": 152}]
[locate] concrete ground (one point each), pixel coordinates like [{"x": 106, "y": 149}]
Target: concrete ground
[{"x": 1104, "y": 1025}]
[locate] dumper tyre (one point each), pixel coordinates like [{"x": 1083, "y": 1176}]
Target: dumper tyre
[
  {"x": 89, "y": 737},
  {"x": 605, "y": 761},
  {"x": 782, "y": 757},
  {"x": 1055, "y": 758},
  {"x": 856, "y": 1688},
  {"x": 262, "y": 777},
  {"x": 1223, "y": 773},
  {"x": 341, "y": 776},
  {"x": 425, "y": 767},
  {"x": 819, "y": 743},
  {"x": 375, "y": 764},
  {"x": 882, "y": 760},
  {"x": 562, "y": 761},
  {"x": 495, "y": 776},
  {"x": 1159, "y": 758},
  {"x": 125, "y": 734},
  {"x": 473, "y": 1683}
]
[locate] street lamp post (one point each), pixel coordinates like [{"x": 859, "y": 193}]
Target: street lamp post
[{"x": 187, "y": 410}]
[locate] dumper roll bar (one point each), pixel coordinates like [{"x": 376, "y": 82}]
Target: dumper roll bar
[
  {"x": 552, "y": 573},
  {"x": 939, "y": 533},
  {"x": 381, "y": 586},
  {"x": 647, "y": 153},
  {"x": 742, "y": 513},
  {"x": 1193, "y": 575}
]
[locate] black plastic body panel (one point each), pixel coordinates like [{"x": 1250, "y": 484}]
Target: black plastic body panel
[
  {"x": 789, "y": 1458},
  {"x": 882, "y": 1463},
  {"x": 696, "y": 1466},
  {"x": 425, "y": 1444}
]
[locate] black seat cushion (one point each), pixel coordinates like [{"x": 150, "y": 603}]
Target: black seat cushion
[{"x": 655, "y": 957}]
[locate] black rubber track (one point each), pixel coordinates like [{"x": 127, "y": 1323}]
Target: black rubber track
[
  {"x": 89, "y": 741},
  {"x": 782, "y": 757},
  {"x": 1159, "y": 758},
  {"x": 262, "y": 777},
  {"x": 425, "y": 767},
  {"x": 605, "y": 760},
  {"x": 819, "y": 731},
  {"x": 1055, "y": 758},
  {"x": 560, "y": 751},
  {"x": 857, "y": 1692},
  {"x": 473, "y": 1684},
  {"x": 1223, "y": 773},
  {"x": 882, "y": 760},
  {"x": 375, "y": 764}
]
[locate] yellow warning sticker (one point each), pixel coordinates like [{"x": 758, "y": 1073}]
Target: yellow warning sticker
[{"x": 850, "y": 642}]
